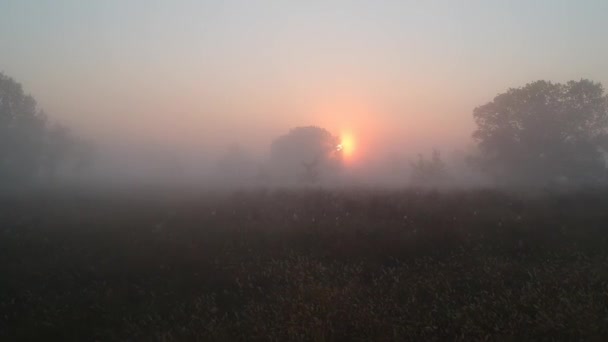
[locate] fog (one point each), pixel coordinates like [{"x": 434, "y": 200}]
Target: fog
[
  {"x": 198, "y": 92},
  {"x": 319, "y": 170}
]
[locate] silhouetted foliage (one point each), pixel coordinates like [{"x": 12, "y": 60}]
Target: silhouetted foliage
[
  {"x": 306, "y": 153},
  {"x": 544, "y": 132},
  {"x": 29, "y": 146},
  {"x": 347, "y": 265},
  {"x": 22, "y": 128}
]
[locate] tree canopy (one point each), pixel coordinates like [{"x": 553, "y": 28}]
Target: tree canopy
[
  {"x": 306, "y": 154},
  {"x": 544, "y": 132},
  {"x": 29, "y": 145}
]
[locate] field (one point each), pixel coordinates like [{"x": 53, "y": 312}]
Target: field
[{"x": 301, "y": 265}]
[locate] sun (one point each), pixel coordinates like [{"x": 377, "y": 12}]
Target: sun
[{"x": 346, "y": 145}]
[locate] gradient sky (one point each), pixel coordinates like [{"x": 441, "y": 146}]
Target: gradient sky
[{"x": 394, "y": 74}]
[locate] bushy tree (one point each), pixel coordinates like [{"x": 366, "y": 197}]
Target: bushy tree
[
  {"x": 306, "y": 154},
  {"x": 544, "y": 132},
  {"x": 22, "y": 133},
  {"x": 29, "y": 146}
]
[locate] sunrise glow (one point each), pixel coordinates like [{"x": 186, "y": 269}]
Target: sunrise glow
[{"x": 347, "y": 145}]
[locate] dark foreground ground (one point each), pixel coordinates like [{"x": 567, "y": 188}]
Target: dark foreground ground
[{"x": 304, "y": 265}]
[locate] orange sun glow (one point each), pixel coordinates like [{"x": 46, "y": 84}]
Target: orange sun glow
[{"x": 346, "y": 146}]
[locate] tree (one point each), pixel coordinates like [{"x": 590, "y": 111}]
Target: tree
[
  {"x": 306, "y": 154},
  {"x": 22, "y": 131},
  {"x": 28, "y": 145},
  {"x": 544, "y": 132}
]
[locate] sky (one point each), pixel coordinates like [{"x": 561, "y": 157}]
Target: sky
[{"x": 396, "y": 76}]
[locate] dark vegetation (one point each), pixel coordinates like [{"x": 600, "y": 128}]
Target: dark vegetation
[
  {"x": 305, "y": 154},
  {"x": 33, "y": 148},
  {"x": 304, "y": 265},
  {"x": 544, "y": 133}
]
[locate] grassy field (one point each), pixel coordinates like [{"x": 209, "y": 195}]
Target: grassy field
[{"x": 304, "y": 265}]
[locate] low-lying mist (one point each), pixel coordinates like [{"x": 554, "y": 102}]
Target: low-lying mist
[{"x": 541, "y": 134}]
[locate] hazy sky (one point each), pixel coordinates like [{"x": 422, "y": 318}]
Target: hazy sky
[{"x": 395, "y": 74}]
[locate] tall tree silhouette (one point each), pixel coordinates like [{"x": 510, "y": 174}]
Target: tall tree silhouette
[
  {"x": 306, "y": 154},
  {"x": 29, "y": 147},
  {"x": 22, "y": 131},
  {"x": 543, "y": 132}
]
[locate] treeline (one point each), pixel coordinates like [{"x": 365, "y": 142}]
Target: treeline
[
  {"x": 32, "y": 147},
  {"x": 543, "y": 133}
]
